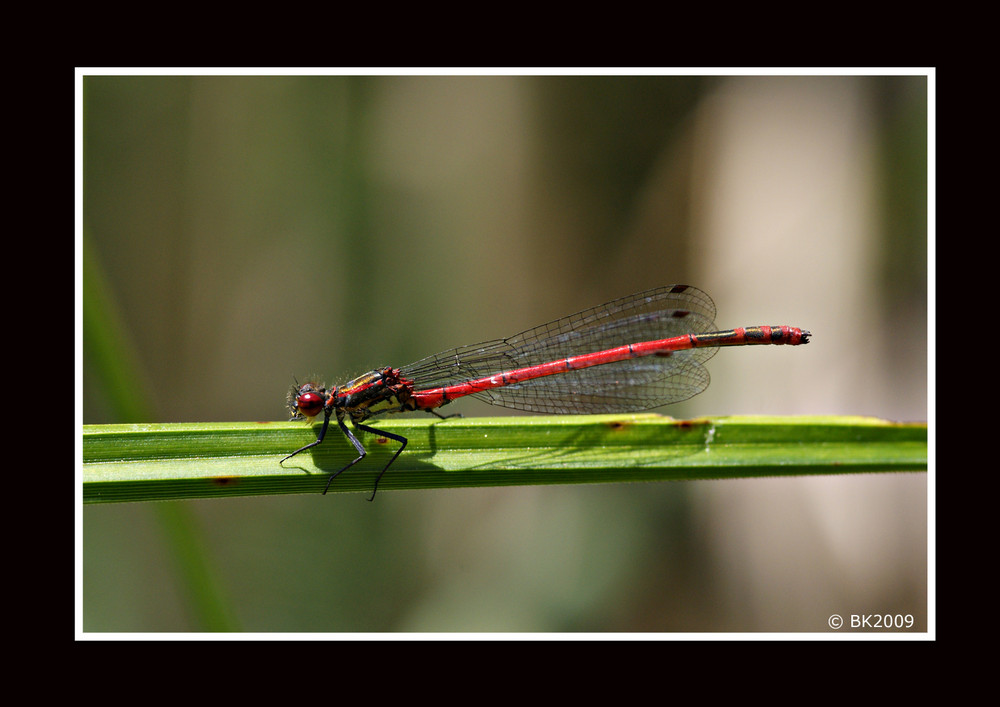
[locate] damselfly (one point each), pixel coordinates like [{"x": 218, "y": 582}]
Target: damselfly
[{"x": 634, "y": 353}]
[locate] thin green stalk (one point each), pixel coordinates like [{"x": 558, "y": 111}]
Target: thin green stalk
[
  {"x": 115, "y": 365},
  {"x": 211, "y": 460}
]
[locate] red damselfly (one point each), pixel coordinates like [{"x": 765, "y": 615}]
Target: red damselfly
[{"x": 634, "y": 353}]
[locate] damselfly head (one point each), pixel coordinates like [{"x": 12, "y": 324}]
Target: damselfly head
[{"x": 306, "y": 401}]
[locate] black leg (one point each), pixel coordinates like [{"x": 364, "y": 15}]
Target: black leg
[
  {"x": 399, "y": 438},
  {"x": 322, "y": 434},
  {"x": 357, "y": 445}
]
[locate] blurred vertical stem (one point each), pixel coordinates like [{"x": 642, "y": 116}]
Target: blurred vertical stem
[
  {"x": 107, "y": 351},
  {"x": 112, "y": 361}
]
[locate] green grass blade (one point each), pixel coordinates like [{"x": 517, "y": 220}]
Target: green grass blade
[
  {"x": 112, "y": 360},
  {"x": 206, "y": 460}
]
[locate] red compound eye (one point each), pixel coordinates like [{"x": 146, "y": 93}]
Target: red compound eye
[{"x": 310, "y": 403}]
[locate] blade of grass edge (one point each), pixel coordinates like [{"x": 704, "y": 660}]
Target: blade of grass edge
[
  {"x": 114, "y": 363},
  {"x": 211, "y": 460}
]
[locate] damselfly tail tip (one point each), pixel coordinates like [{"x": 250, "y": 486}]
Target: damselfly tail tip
[{"x": 805, "y": 336}]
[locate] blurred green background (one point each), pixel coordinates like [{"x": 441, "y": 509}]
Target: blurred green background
[{"x": 247, "y": 229}]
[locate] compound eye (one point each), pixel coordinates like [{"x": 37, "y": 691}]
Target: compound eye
[{"x": 309, "y": 403}]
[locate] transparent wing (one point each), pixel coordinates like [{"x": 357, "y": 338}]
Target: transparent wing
[{"x": 630, "y": 385}]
